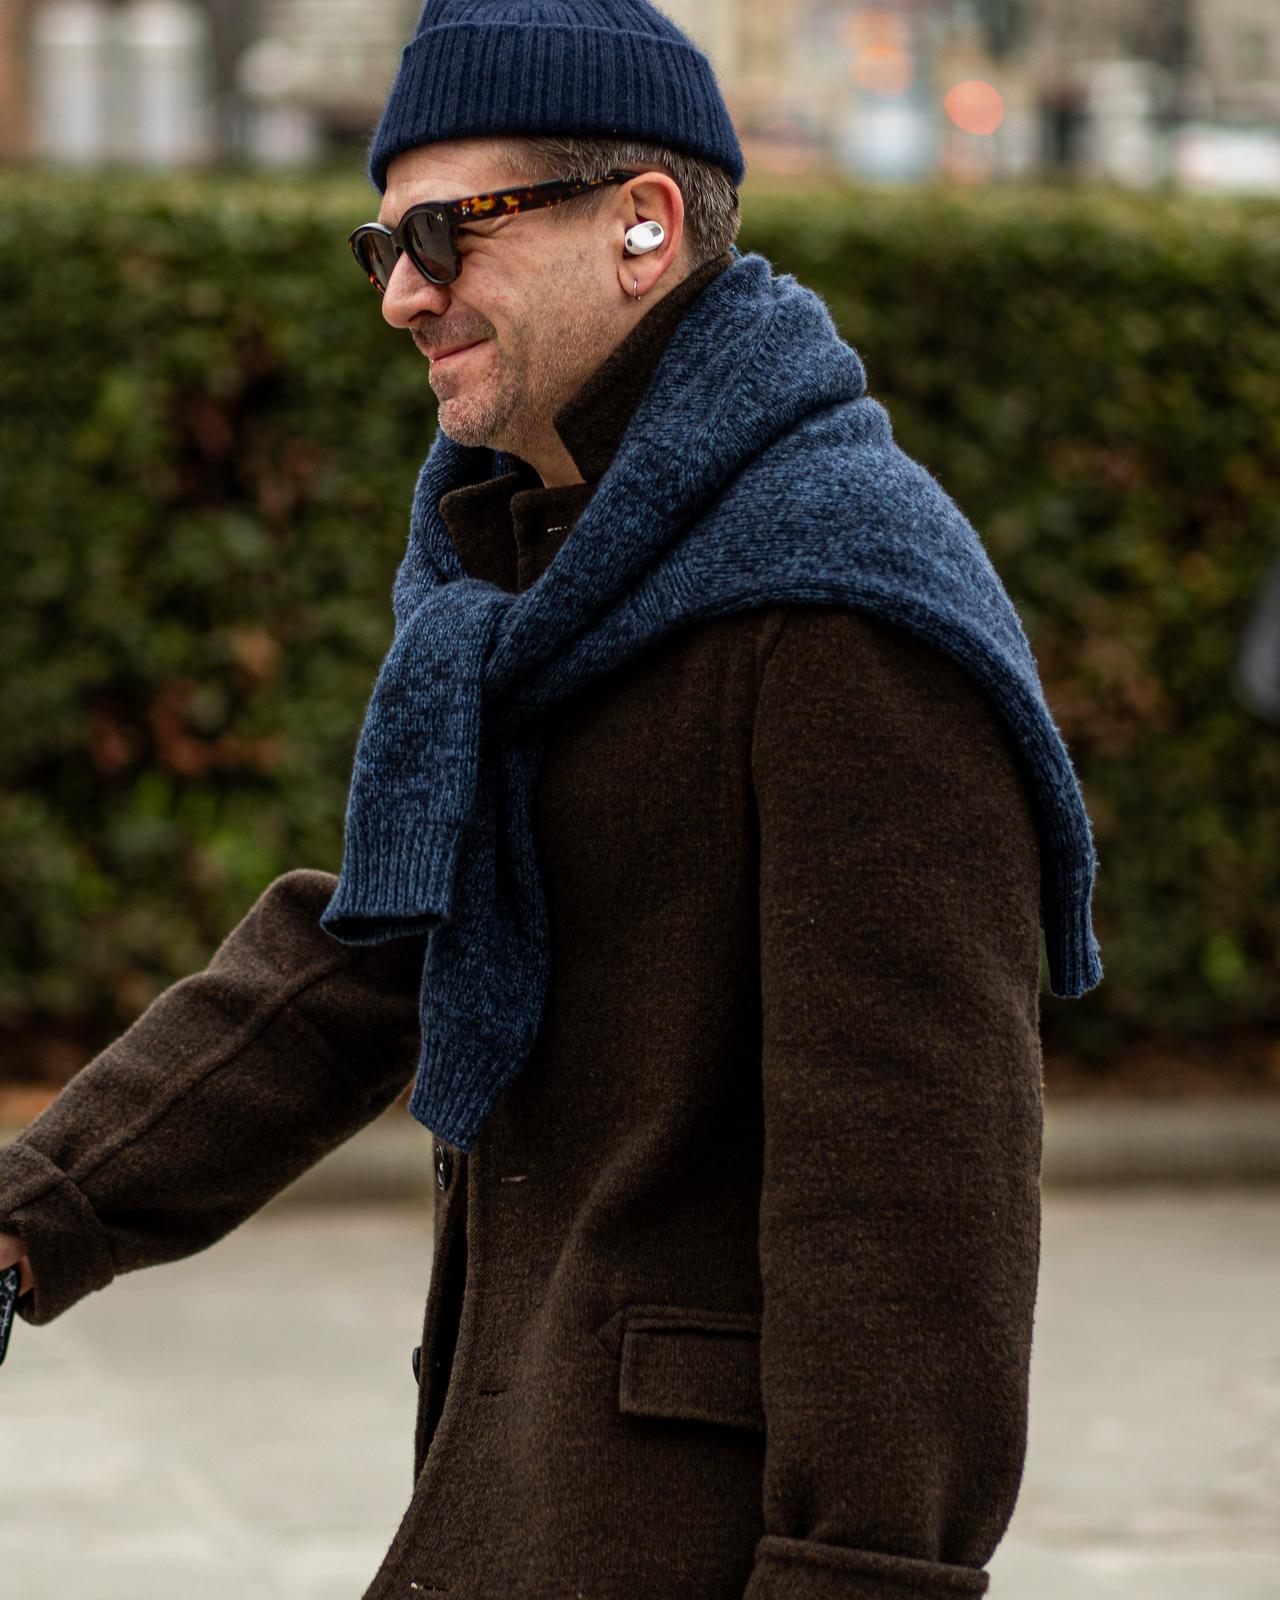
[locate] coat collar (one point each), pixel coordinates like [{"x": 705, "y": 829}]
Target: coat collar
[{"x": 507, "y": 529}]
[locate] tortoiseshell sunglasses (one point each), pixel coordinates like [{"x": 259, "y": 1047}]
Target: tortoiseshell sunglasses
[{"x": 427, "y": 232}]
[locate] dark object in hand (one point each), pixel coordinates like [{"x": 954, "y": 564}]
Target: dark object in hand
[{"x": 9, "y": 1280}]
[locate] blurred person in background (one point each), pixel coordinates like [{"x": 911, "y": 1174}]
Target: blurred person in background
[{"x": 703, "y": 822}]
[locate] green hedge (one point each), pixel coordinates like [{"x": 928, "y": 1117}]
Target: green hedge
[{"x": 209, "y": 445}]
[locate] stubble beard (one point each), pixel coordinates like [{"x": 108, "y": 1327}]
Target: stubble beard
[{"x": 512, "y": 404}]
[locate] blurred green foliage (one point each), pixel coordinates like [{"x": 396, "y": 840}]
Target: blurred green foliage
[{"x": 209, "y": 445}]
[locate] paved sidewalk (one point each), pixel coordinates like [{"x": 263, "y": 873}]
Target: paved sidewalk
[
  {"x": 234, "y": 1426},
  {"x": 239, "y": 1425},
  {"x": 1153, "y": 1469}
]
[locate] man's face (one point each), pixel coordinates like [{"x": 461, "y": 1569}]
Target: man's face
[{"x": 540, "y": 294}]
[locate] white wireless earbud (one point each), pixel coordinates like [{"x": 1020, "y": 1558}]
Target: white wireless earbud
[{"x": 644, "y": 236}]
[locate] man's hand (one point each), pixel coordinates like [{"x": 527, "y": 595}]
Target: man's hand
[{"x": 11, "y": 1251}]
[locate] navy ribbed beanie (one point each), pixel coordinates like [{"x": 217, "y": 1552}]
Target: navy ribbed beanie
[{"x": 480, "y": 68}]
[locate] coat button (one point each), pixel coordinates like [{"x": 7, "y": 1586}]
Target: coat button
[
  {"x": 444, "y": 1167},
  {"x": 415, "y": 1358}
]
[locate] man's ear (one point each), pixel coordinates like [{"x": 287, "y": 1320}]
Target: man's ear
[{"x": 652, "y": 197}]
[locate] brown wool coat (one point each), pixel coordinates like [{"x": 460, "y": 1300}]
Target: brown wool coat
[{"x": 733, "y": 1296}]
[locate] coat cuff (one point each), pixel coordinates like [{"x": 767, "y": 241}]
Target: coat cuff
[
  {"x": 67, "y": 1245},
  {"x": 804, "y": 1569}
]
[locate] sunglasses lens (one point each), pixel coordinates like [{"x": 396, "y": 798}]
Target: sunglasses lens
[
  {"x": 377, "y": 256},
  {"x": 431, "y": 246}
]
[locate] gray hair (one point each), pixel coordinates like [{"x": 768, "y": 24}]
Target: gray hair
[{"x": 712, "y": 213}]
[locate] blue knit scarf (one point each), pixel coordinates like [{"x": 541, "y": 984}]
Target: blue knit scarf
[{"x": 755, "y": 469}]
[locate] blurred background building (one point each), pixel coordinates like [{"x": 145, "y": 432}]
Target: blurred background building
[{"x": 1138, "y": 92}]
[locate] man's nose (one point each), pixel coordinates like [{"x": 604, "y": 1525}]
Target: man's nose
[{"x": 408, "y": 294}]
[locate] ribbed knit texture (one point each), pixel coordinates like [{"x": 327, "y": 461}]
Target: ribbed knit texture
[
  {"x": 481, "y": 68},
  {"x": 755, "y": 470}
]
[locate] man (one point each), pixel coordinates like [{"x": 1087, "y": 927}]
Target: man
[{"x": 701, "y": 827}]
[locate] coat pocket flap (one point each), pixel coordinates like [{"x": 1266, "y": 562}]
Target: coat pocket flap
[{"x": 693, "y": 1366}]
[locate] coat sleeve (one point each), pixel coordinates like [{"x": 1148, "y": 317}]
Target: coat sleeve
[
  {"x": 902, "y": 1077},
  {"x": 231, "y": 1084}
]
